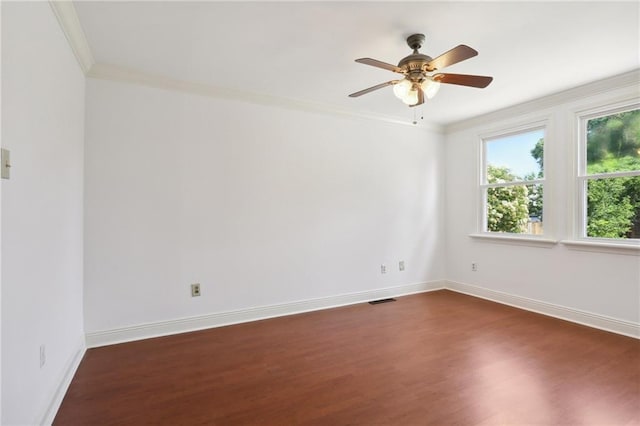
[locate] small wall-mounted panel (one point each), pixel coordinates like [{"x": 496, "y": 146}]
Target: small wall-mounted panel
[{"x": 5, "y": 164}]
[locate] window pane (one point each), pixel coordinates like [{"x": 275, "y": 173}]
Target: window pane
[
  {"x": 613, "y": 143},
  {"x": 613, "y": 207},
  {"x": 515, "y": 208},
  {"x": 516, "y": 157}
]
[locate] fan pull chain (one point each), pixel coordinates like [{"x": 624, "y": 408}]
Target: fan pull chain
[{"x": 415, "y": 115}]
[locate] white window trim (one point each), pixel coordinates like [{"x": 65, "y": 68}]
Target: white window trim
[
  {"x": 603, "y": 245},
  {"x": 512, "y": 238},
  {"x": 515, "y": 239},
  {"x": 579, "y": 239}
]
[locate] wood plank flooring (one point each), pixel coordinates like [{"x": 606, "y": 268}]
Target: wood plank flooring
[{"x": 434, "y": 358}]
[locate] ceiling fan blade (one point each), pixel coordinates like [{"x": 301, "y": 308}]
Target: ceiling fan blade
[
  {"x": 420, "y": 97},
  {"x": 379, "y": 64},
  {"x": 453, "y": 56},
  {"x": 371, "y": 89},
  {"x": 464, "y": 80}
]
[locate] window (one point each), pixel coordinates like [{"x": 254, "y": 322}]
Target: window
[
  {"x": 608, "y": 178},
  {"x": 512, "y": 182}
]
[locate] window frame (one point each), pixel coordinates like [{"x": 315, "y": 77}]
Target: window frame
[
  {"x": 482, "y": 226},
  {"x": 581, "y": 178}
]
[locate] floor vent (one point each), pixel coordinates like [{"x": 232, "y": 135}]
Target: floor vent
[{"x": 376, "y": 302}]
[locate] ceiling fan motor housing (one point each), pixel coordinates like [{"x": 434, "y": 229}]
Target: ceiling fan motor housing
[{"x": 414, "y": 65}]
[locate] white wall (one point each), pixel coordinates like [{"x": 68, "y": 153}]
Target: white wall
[
  {"x": 42, "y": 115},
  {"x": 594, "y": 282},
  {"x": 1, "y": 225},
  {"x": 261, "y": 205}
]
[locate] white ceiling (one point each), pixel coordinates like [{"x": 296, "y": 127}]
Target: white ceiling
[{"x": 305, "y": 51}]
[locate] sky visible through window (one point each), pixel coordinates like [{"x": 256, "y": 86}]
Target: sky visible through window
[{"x": 514, "y": 152}]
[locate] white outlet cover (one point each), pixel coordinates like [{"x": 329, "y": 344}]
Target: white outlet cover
[
  {"x": 195, "y": 290},
  {"x": 43, "y": 356}
]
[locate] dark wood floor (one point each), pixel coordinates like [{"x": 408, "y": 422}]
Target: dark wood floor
[{"x": 434, "y": 358}]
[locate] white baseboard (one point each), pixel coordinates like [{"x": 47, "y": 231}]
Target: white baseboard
[
  {"x": 165, "y": 328},
  {"x": 63, "y": 384},
  {"x": 626, "y": 328},
  {"x": 183, "y": 325}
]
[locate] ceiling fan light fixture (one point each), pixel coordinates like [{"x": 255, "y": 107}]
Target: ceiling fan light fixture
[
  {"x": 402, "y": 88},
  {"x": 411, "y": 98},
  {"x": 417, "y": 84},
  {"x": 430, "y": 87}
]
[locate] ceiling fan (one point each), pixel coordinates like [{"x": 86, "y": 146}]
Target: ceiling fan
[{"x": 418, "y": 81}]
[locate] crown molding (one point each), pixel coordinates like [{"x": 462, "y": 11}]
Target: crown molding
[
  {"x": 67, "y": 16},
  {"x": 628, "y": 79},
  {"x": 68, "y": 19},
  {"x": 127, "y": 75}
]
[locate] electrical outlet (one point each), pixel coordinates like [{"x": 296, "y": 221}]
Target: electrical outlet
[
  {"x": 195, "y": 290},
  {"x": 401, "y": 265},
  {"x": 474, "y": 266},
  {"x": 43, "y": 356},
  {"x": 383, "y": 269}
]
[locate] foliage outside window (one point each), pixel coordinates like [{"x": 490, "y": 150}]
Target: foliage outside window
[
  {"x": 512, "y": 184},
  {"x": 609, "y": 175}
]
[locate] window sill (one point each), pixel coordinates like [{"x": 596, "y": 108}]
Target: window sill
[
  {"x": 603, "y": 247},
  {"x": 515, "y": 239}
]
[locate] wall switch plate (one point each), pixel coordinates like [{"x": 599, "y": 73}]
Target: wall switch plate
[
  {"x": 195, "y": 290},
  {"x": 474, "y": 266},
  {"x": 5, "y": 164},
  {"x": 401, "y": 265},
  {"x": 43, "y": 356},
  {"x": 383, "y": 269}
]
